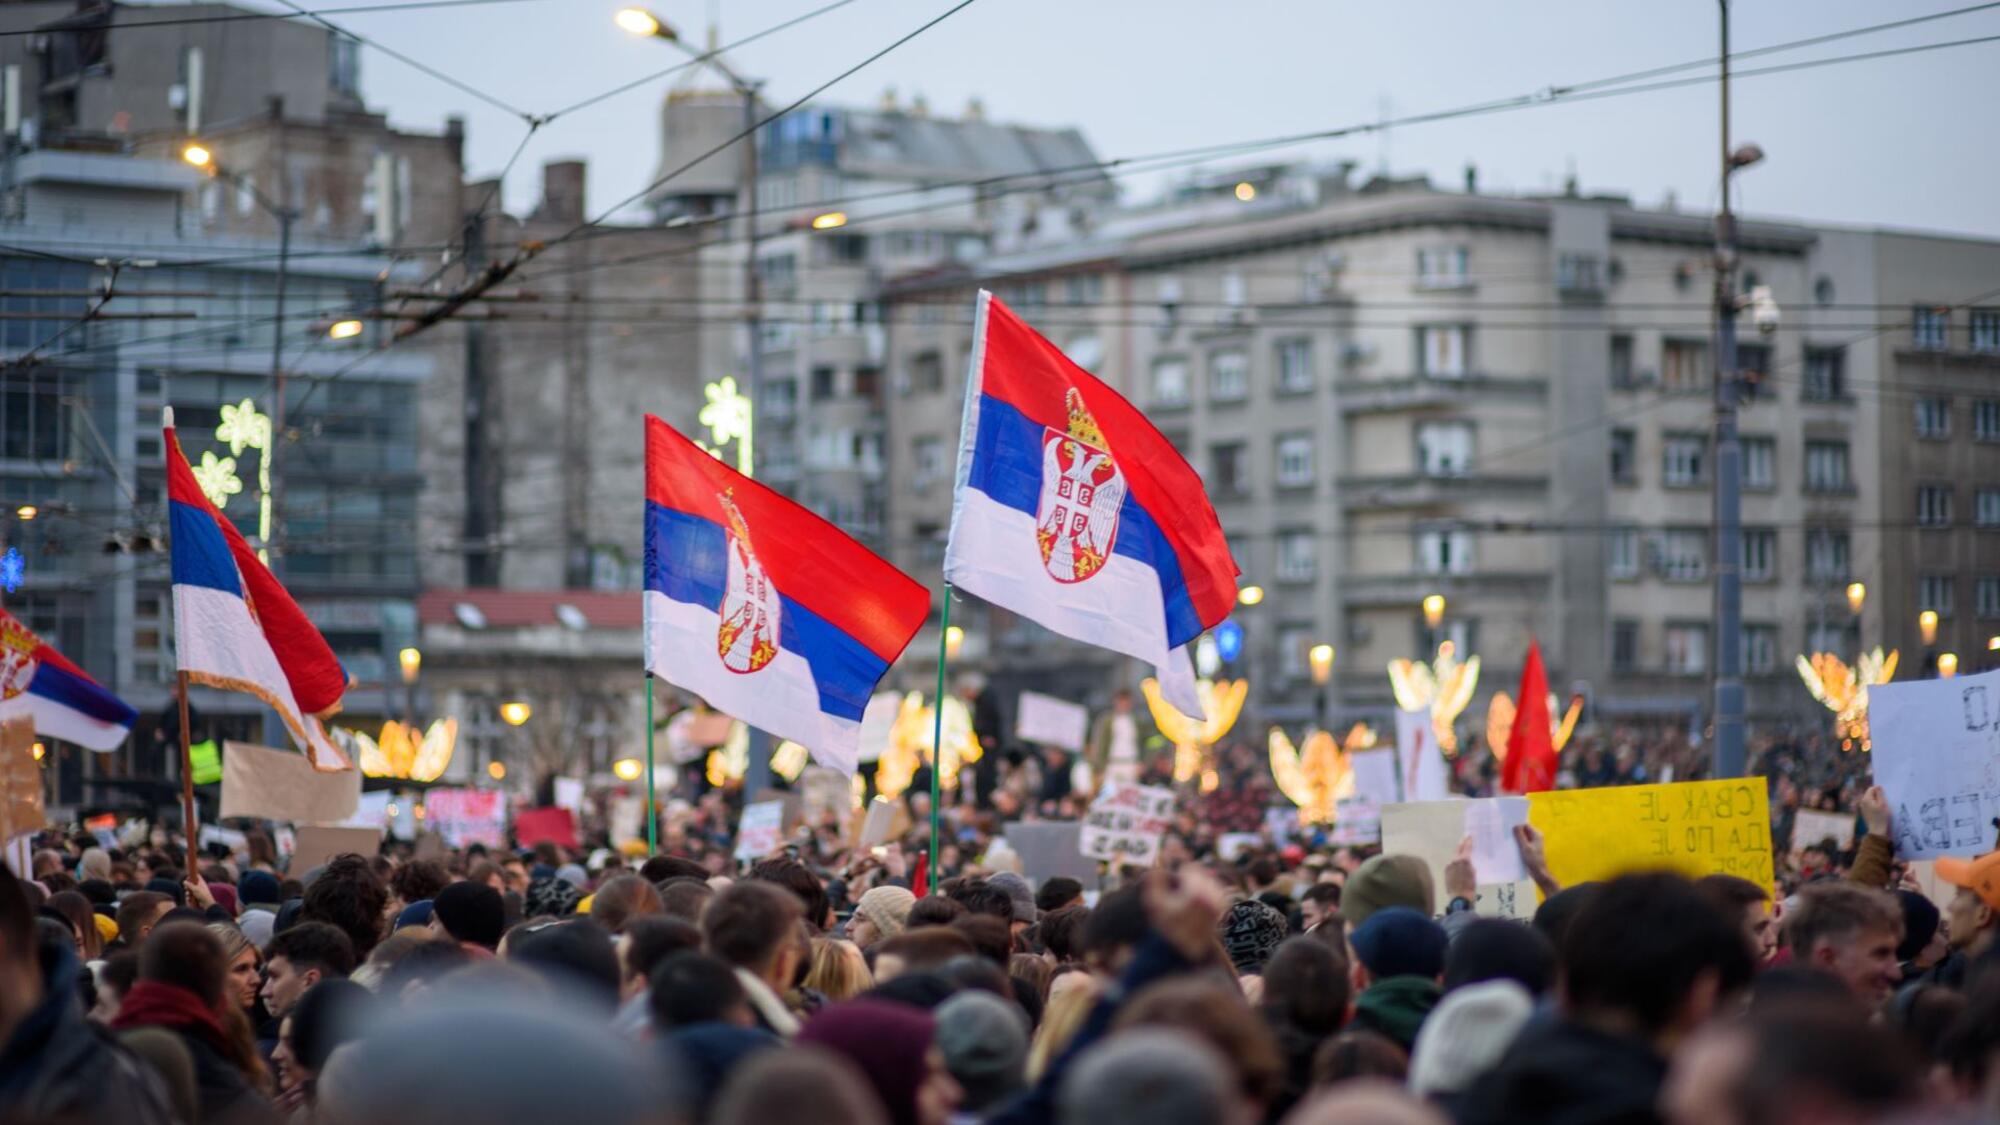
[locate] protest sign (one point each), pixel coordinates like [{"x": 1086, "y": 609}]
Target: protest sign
[
  {"x": 1049, "y": 721},
  {"x": 1491, "y": 823},
  {"x": 20, "y": 779},
  {"x": 569, "y": 794},
  {"x": 762, "y": 830},
  {"x": 1694, "y": 827},
  {"x": 317, "y": 843},
  {"x": 1357, "y": 820},
  {"x": 878, "y": 823},
  {"x": 1420, "y": 769},
  {"x": 371, "y": 810},
  {"x": 627, "y": 819},
  {"x": 1126, "y": 822},
  {"x": 1281, "y": 821},
  {"x": 1049, "y": 848},
  {"x": 1432, "y": 831},
  {"x": 1811, "y": 827},
  {"x": 236, "y": 842},
  {"x": 1937, "y": 758},
  {"x": 1230, "y": 845},
  {"x": 467, "y": 816},
  {"x": 1375, "y": 776},
  {"x": 263, "y": 783},
  {"x": 555, "y": 824}
]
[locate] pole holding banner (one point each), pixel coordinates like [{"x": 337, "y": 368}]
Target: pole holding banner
[
  {"x": 937, "y": 734},
  {"x": 652, "y": 820},
  {"x": 187, "y": 781}
]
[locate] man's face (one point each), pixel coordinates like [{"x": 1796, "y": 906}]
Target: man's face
[
  {"x": 1864, "y": 960},
  {"x": 284, "y": 983},
  {"x": 1761, "y": 929},
  {"x": 1312, "y": 913},
  {"x": 1967, "y": 916},
  {"x": 1701, "y": 1088},
  {"x": 146, "y": 928},
  {"x": 861, "y": 931}
]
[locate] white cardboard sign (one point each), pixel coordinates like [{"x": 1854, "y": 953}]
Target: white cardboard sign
[
  {"x": 1127, "y": 821},
  {"x": 1049, "y": 721},
  {"x": 1937, "y": 758}
]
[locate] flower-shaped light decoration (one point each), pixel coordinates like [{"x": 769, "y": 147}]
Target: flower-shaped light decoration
[
  {"x": 1317, "y": 778},
  {"x": 910, "y": 744},
  {"x": 244, "y": 427},
  {"x": 1222, "y": 700},
  {"x": 726, "y": 412},
  {"x": 1445, "y": 686},
  {"x": 217, "y": 478},
  {"x": 1844, "y": 690},
  {"x": 1500, "y": 722},
  {"x": 731, "y": 760}
]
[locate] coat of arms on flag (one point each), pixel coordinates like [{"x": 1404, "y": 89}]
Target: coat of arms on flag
[
  {"x": 747, "y": 639},
  {"x": 17, "y": 658},
  {"x": 1076, "y": 521}
]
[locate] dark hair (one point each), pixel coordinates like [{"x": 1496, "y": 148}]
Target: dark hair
[
  {"x": 919, "y": 990},
  {"x": 1118, "y": 920},
  {"x": 1732, "y": 893},
  {"x": 652, "y": 938},
  {"x": 797, "y": 878},
  {"x": 1836, "y": 909},
  {"x": 575, "y": 954},
  {"x": 1359, "y": 1054},
  {"x": 1215, "y": 1014},
  {"x": 1306, "y": 986},
  {"x": 136, "y": 910},
  {"x": 661, "y": 868},
  {"x": 973, "y": 972},
  {"x": 76, "y": 909},
  {"x": 1557, "y": 911},
  {"x": 1325, "y": 894},
  {"x": 328, "y": 1015},
  {"x": 1057, "y": 892},
  {"x": 1639, "y": 944},
  {"x": 980, "y": 897},
  {"x": 925, "y": 949},
  {"x": 1061, "y": 933},
  {"x": 119, "y": 971},
  {"x": 471, "y": 912},
  {"x": 1499, "y": 949},
  {"x": 748, "y": 923},
  {"x": 314, "y": 945},
  {"x": 1828, "y": 1056},
  {"x": 992, "y": 938},
  {"x": 623, "y": 898},
  {"x": 186, "y": 955},
  {"x": 684, "y": 897},
  {"x": 418, "y": 880},
  {"x": 1972, "y": 1044},
  {"x": 1263, "y": 869},
  {"x": 348, "y": 894},
  {"x": 426, "y": 960},
  {"x": 546, "y": 853},
  {"x": 776, "y": 1085},
  {"x": 933, "y": 910},
  {"x": 693, "y": 987}
]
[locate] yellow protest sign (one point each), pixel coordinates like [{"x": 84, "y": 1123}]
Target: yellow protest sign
[{"x": 1694, "y": 827}]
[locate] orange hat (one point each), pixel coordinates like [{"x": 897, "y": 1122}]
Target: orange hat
[{"x": 1980, "y": 876}]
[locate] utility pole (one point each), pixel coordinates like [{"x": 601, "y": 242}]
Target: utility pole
[
  {"x": 1729, "y": 751},
  {"x": 758, "y": 776}
]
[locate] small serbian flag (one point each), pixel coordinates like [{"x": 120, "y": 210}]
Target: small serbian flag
[
  {"x": 1073, "y": 511},
  {"x": 39, "y": 682},
  {"x": 762, "y": 608},
  {"x": 236, "y": 628}
]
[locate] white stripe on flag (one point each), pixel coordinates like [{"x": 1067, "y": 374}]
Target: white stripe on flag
[{"x": 216, "y": 641}]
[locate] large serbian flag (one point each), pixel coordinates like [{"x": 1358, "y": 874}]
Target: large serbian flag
[
  {"x": 236, "y": 628},
  {"x": 762, "y": 608},
  {"x": 1072, "y": 510},
  {"x": 37, "y": 681}
]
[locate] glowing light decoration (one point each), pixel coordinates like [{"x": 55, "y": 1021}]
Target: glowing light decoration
[
  {"x": 13, "y": 569},
  {"x": 910, "y": 745},
  {"x": 1221, "y": 700},
  {"x": 1316, "y": 777},
  {"x": 727, "y": 414},
  {"x": 400, "y": 753},
  {"x": 731, "y": 760},
  {"x": 243, "y": 427},
  {"x": 789, "y": 760},
  {"x": 1500, "y": 721},
  {"x": 1844, "y": 690},
  {"x": 1445, "y": 685}
]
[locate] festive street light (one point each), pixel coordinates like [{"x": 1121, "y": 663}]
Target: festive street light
[
  {"x": 411, "y": 660},
  {"x": 628, "y": 769},
  {"x": 954, "y": 640},
  {"x": 1246, "y": 191},
  {"x": 343, "y": 329},
  {"x": 514, "y": 712},
  {"x": 641, "y": 22},
  {"x": 26, "y": 512},
  {"x": 831, "y": 220},
  {"x": 1434, "y": 610},
  {"x": 1947, "y": 665},
  {"x": 1856, "y": 595},
  {"x": 197, "y": 155},
  {"x": 1927, "y": 625},
  {"x": 496, "y": 770},
  {"x": 1250, "y": 595},
  {"x": 1320, "y": 658}
]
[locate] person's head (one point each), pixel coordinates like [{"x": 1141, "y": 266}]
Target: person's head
[
  {"x": 1650, "y": 954},
  {"x": 348, "y": 894},
  {"x": 571, "y": 955},
  {"x": 1750, "y": 904},
  {"x": 418, "y": 880},
  {"x": 839, "y": 971},
  {"x": 1020, "y": 895},
  {"x": 648, "y": 940},
  {"x": 984, "y": 1040},
  {"x": 797, "y": 878},
  {"x": 301, "y": 957},
  {"x": 883, "y": 912},
  {"x": 1924, "y": 943},
  {"x": 1306, "y": 986},
  {"x": 1318, "y": 903},
  {"x": 21, "y": 977},
  {"x": 138, "y": 914},
  {"x": 1973, "y": 915},
  {"x": 1061, "y": 933},
  {"x": 983, "y": 896},
  {"x": 187, "y": 955},
  {"x": 1359, "y": 1054},
  {"x": 1058, "y": 892},
  {"x": 1808, "y": 1062},
  {"x": 991, "y": 937},
  {"x": 259, "y": 888},
  {"x": 622, "y": 898},
  {"x": 1384, "y": 881},
  {"x": 660, "y": 868},
  {"x": 1558, "y": 910},
  {"x": 933, "y": 910},
  {"x": 893, "y": 1045},
  {"x": 1250, "y": 932},
  {"x": 114, "y": 980},
  {"x": 1148, "y": 1076},
  {"x": 1215, "y": 1012},
  {"x": 1398, "y": 942},
  {"x": 772, "y": 1085},
  {"x": 1465, "y": 1034},
  {"x": 685, "y": 897},
  {"x": 692, "y": 987},
  {"x": 327, "y": 1015},
  {"x": 1849, "y": 931},
  {"x": 469, "y": 912},
  {"x": 919, "y": 951},
  {"x": 1366, "y": 1101},
  {"x": 1498, "y": 949},
  {"x": 1116, "y": 926},
  {"x": 753, "y": 925},
  {"x": 245, "y": 964}
]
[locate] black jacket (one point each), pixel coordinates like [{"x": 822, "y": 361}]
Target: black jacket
[
  {"x": 1564, "y": 1073},
  {"x": 58, "y": 1066}
]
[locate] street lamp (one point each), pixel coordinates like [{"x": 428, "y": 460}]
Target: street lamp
[
  {"x": 1856, "y": 595},
  {"x": 496, "y": 770},
  {"x": 1434, "y": 610},
  {"x": 343, "y": 329},
  {"x": 1993, "y": 643},
  {"x": 412, "y": 661},
  {"x": 1947, "y": 665},
  {"x": 26, "y": 512},
  {"x": 1320, "y": 658},
  {"x": 1250, "y": 595},
  {"x": 954, "y": 639},
  {"x": 514, "y": 712},
  {"x": 1927, "y": 625},
  {"x": 642, "y": 23},
  {"x": 628, "y": 769},
  {"x": 832, "y": 220}
]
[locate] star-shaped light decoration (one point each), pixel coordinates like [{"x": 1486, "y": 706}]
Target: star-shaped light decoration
[
  {"x": 727, "y": 416},
  {"x": 13, "y": 569},
  {"x": 217, "y": 478}
]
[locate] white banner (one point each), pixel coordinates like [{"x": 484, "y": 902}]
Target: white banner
[
  {"x": 1048, "y": 721},
  {"x": 1937, "y": 758},
  {"x": 1127, "y": 822},
  {"x": 1420, "y": 768}
]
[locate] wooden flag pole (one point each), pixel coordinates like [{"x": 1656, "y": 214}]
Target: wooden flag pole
[
  {"x": 937, "y": 736},
  {"x": 652, "y": 816},
  {"x": 187, "y": 782}
]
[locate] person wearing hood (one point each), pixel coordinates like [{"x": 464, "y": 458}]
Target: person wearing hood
[
  {"x": 1398, "y": 962},
  {"x": 895, "y": 1047},
  {"x": 54, "y": 1064}
]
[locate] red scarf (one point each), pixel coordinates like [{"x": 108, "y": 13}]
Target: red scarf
[{"x": 153, "y": 1003}]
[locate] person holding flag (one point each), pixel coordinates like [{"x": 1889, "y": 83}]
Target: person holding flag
[{"x": 62, "y": 699}]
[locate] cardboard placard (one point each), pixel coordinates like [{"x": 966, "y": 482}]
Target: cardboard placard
[
  {"x": 467, "y": 816},
  {"x": 569, "y": 794},
  {"x": 1937, "y": 758},
  {"x": 1811, "y": 827},
  {"x": 1356, "y": 821},
  {"x": 1431, "y": 831},
  {"x": 878, "y": 822},
  {"x": 264, "y": 783},
  {"x": 20, "y": 779},
  {"x": 1694, "y": 827},
  {"x": 762, "y": 829},
  {"x": 1375, "y": 776},
  {"x": 1048, "y": 721},
  {"x": 1126, "y": 823},
  {"x": 555, "y": 824},
  {"x": 1490, "y": 823},
  {"x": 317, "y": 843},
  {"x": 1049, "y": 848}
]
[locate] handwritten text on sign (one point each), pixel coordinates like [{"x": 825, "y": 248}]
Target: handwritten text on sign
[
  {"x": 1127, "y": 821},
  {"x": 1695, "y": 827},
  {"x": 1937, "y": 758}
]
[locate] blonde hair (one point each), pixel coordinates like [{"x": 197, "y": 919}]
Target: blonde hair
[
  {"x": 839, "y": 972},
  {"x": 1060, "y": 1021},
  {"x": 234, "y": 942}
]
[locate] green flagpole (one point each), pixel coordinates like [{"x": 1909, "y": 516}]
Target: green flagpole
[
  {"x": 652, "y": 817},
  {"x": 937, "y": 736}
]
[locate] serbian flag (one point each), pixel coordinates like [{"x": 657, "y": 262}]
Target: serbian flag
[
  {"x": 762, "y": 608},
  {"x": 1531, "y": 749},
  {"x": 236, "y": 628},
  {"x": 39, "y": 682},
  {"x": 1073, "y": 511}
]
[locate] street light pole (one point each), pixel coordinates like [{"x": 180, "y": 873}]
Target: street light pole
[{"x": 1729, "y": 753}]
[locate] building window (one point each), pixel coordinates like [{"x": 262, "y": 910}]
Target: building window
[
  {"x": 867, "y": 382},
  {"x": 1441, "y": 267},
  {"x": 1083, "y": 289},
  {"x": 1444, "y": 449},
  {"x": 1826, "y": 374},
  {"x": 1687, "y": 649},
  {"x": 1578, "y": 273},
  {"x": 1827, "y": 555},
  {"x": 1298, "y": 556},
  {"x": 1684, "y": 464},
  {"x": 1934, "y": 593},
  {"x": 1621, "y": 553},
  {"x": 1293, "y": 641},
  {"x": 344, "y": 64},
  {"x": 1295, "y": 460},
  {"x": 1760, "y": 649},
  {"x": 1760, "y": 554},
  {"x": 1986, "y": 597},
  {"x": 1826, "y": 466},
  {"x": 1170, "y": 382},
  {"x": 781, "y": 399},
  {"x": 1229, "y": 473},
  {"x": 823, "y": 379},
  {"x": 1933, "y": 505},
  {"x": 1621, "y": 361},
  {"x": 1684, "y": 367},
  {"x": 1986, "y": 419},
  {"x": 1441, "y": 349},
  {"x": 1753, "y": 359},
  {"x": 1625, "y": 646},
  {"x": 1929, "y": 328},
  {"x": 1228, "y": 376},
  {"x": 1295, "y": 366},
  {"x": 1986, "y": 330},
  {"x": 1444, "y": 551},
  {"x": 1760, "y": 464},
  {"x": 1684, "y": 555},
  {"x": 927, "y": 372},
  {"x": 1933, "y": 418},
  {"x": 1986, "y": 507},
  {"x": 926, "y": 461},
  {"x": 1624, "y": 457}
]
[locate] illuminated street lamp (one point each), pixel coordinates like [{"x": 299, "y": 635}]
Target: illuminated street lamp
[
  {"x": 343, "y": 329},
  {"x": 496, "y": 770},
  {"x": 1856, "y": 595},
  {"x": 1993, "y": 643},
  {"x": 628, "y": 769},
  {"x": 1927, "y": 625},
  {"x": 514, "y": 712},
  {"x": 1246, "y": 191},
  {"x": 1250, "y": 595},
  {"x": 412, "y": 661},
  {"x": 831, "y": 220},
  {"x": 26, "y": 512},
  {"x": 1947, "y": 665},
  {"x": 197, "y": 155},
  {"x": 1434, "y": 610},
  {"x": 643, "y": 23},
  {"x": 1320, "y": 658},
  {"x": 954, "y": 639}
]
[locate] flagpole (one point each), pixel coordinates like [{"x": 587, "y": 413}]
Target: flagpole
[
  {"x": 937, "y": 735},
  {"x": 187, "y": 779},
  {"x": 652, "y": 818}
]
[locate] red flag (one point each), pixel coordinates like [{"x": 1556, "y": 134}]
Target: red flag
[
  {"x": 920, "y": 883},
  {"x": 1531, "y": 750}
]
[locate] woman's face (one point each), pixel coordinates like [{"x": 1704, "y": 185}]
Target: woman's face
[
  {"x": 290, "y": 1073},
  {"x": 940, "y": 1093},
  {"x": 244, "y": 979},
  {"x": 861, "y": 931}
]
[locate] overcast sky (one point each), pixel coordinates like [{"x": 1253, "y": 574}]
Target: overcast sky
[{"x": 1906, "y": 142}]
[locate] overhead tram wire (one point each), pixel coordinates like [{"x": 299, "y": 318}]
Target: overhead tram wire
[{"x": 426, "y": 68}]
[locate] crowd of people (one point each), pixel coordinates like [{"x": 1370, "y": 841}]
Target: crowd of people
[{"x": 1294, "y": 982}]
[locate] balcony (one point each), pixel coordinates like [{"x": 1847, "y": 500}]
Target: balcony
[
  {"x": 1415, "y": 490},
  {"x": 1430, "y": 392}
]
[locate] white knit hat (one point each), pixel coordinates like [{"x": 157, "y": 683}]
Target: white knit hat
[{"x": 1466, "y": 1034}]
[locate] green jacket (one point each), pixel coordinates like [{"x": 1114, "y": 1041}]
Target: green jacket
[{"x": 1397, "y": 1006}]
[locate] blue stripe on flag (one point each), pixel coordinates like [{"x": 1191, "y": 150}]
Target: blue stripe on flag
[
  {"x": 63, "y": 688},
  {"x": 200, "y": 553},
  {"x": 687, "y": 560},
  {"x": 1007, "y": 466}
]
